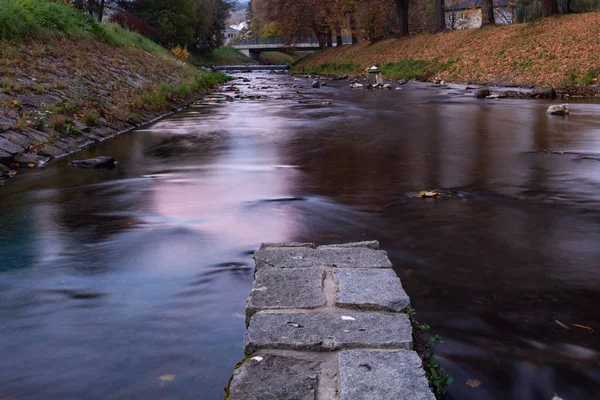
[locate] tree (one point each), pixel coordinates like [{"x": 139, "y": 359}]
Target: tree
[
  {"x": 95, "y": 8},
  {"x": 549, "y": 8},
  {"x": 402, "y": 11},
  {"x": 487, "y": 13},
  {"x": 440, "y": 16}
]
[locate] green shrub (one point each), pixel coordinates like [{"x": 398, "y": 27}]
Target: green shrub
[
  {"x": 92, "y": 119},
  {"x": 32, "y": 19}
]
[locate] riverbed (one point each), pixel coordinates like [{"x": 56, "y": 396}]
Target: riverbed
[{"x": 131, "y": 282}]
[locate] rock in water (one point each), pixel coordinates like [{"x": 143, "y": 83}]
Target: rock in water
[
  {"x": 545, "y": 93},
  {"x": 558, "y": 110},
  {"x": 482, "y": 93},
  {"x": 357, "y": 86},
  {"x": 316, "y": 84},
  {"x": 98, "y": 162},
  {"x": 387, "y": 86}
]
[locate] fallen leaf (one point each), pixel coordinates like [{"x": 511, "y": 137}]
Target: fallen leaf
[
  {"x": 561, "y": 324},
  {"x": 583, "y": 327},
  {"x": 167, "y": 378},
  {"x": 15, "y": 102},
  {"x": 474, "y": 383},
  {"x": 426, "y": 194}
]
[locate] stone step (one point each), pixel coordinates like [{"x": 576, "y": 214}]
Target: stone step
[
  {"x": 327, "y": 331},
  {"x": 370, "y": 289},
  {"x": 294, "y": 288},
  {"x": 304, "y": 256},
  {"x": 381, "y": 375},
  {"x": 347, "y": 375}
]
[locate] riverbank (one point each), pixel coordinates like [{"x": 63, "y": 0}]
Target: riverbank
[
  {"x": 61, "y": 91},
  {"x": 562, "y": 52}
]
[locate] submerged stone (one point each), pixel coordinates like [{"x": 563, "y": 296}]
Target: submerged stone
[{"x": 94, "y": 163}]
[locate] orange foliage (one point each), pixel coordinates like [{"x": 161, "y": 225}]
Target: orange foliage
[{"x": 551, "y": 51}]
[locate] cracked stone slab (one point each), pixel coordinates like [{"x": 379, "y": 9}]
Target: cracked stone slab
[
  {"x": 10, "y": 147},
  {"x": 382, "y": 375},
  {"x": 370, "y": 289},
  {"x": 273, "y": 377},
  {"x": 371, "y": 244},
  {"x": 327, "y": 331},
  {"x": 286, "y": 288},
  {"x": 326, "y": 256},
  {"x": 29, "y": 158}
]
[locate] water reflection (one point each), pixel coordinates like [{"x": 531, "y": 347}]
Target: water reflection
[{"x": 111, "y": 279}]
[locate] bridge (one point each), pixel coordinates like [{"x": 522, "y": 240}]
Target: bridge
[{"x": 253, "y": 47}]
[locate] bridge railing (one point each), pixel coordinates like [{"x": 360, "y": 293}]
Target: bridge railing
[
  {"x": 278, "y": 41},
  {"x": 281, "y": 41}
]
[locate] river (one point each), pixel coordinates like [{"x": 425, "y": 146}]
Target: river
[{"x": 131, "y": 283}]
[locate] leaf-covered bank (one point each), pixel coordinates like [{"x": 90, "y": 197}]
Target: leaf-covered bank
[{"x": 560, "y": 51}]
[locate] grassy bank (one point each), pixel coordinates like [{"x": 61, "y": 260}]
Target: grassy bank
[
  {"x": 561, "y": 51},
  {"x": 66, "y": 80}
]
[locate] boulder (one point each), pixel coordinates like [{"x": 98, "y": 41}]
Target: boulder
[
  {"x": 94, "y": 163},
  {"x": 387, "y": 86},
  {"x": 357, "y": 86},
  {"x": 482, "y": 93},
  {"x": 316, "y": 84},
  {"x": 545, "y": 93},
  {"x": 402, "y": 82},
  {"x": 562, "y": 109},
  {"x": 496, "y": 96}
]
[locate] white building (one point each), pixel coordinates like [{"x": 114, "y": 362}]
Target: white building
[
  {"x": 230, "y": 34},
  {"x": 466, "y": 14}
]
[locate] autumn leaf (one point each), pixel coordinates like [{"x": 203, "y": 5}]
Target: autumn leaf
[
  {"x": 474, "y": 383},
  {"x": 584, "y": 327}
]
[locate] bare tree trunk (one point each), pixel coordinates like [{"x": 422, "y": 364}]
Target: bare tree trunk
[
  {"x": 101, "y": 6},
  {"x": 353, "y": 29},
  {"x": 440, "y": 16},
  {"x": 329, "y": 37},
  {"x": 402, "y": 10},
  {"x": 339, "y": 40},
  {"x": 487, "y": 13},
  {"x": 549, "y": 8}
]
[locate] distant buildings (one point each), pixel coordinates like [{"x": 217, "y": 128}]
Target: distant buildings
[
  {"x": 466, "y": 14},
  {"x": 235, "y": 32}
]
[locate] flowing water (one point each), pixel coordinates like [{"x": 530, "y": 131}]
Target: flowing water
[{"x": 131, "y": 283}]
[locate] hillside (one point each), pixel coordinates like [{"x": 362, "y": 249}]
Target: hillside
[
  {"x": 561, "y": 52},
  {"x": 67, "y": 81}
]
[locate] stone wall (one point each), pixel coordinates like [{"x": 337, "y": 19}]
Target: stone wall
[{"x": 327, "y": 323}]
